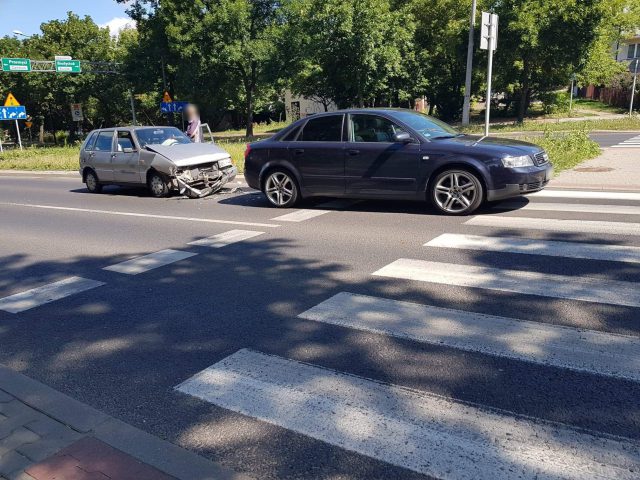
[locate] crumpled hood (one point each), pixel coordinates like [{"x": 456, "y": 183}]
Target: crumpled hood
[
  {"x": 183, "y": 155},
  {"x": 494, "y": 146}
]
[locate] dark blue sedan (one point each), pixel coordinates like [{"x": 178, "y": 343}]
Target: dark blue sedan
[{"x": 392, "y": 154}]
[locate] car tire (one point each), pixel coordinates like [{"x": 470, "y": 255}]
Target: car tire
[
  {"x": 281, "y": 188},
  {"x": 158, "y": 186},
  {"x": 92, "y": 183},
  {"x": 456, "y": 192}
]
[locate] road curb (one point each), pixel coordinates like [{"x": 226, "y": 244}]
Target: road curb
[{"x": 163, "y": 455}]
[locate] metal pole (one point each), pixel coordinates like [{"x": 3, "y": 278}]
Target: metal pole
[
  {"x": 18, "y": 131},
  {"x": 466, "y": 108},
  {"x": 571, "y": 97},
  {"x": 133, "y": 108},
  {"x": 633, "y": 88},
  {"x": 487, "y": 114}
]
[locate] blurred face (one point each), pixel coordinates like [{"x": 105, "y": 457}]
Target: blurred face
[{"x": 191, "y": 112}]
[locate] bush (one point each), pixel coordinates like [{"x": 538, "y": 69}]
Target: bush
[
  {"x": 566, "y": 149},
  {"x": 554, "y": 103}
]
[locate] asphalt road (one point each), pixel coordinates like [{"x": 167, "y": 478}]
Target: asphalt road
[
  {"x": 609, "y": 139},
  {"x": 342, "y": 391}
]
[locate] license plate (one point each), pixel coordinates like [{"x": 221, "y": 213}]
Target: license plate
[{"x": 224, "y": 163}]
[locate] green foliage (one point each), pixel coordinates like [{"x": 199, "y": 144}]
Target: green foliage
[
  {"x": 555, "y": 102},
  {"x": 622, "y": 124},
  {"x": 567, "y": 149}
]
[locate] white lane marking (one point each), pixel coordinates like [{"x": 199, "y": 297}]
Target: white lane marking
[
  {"x": 629, "y": 143},
  {"x": 591, "y": 251},
  {"x": 300, "y": 215},
  {"x": 144, "y": 215},
  {"x": 555, "y": 225},
  {"x": 528, "y": 283},
  {"x": 569, "y": 207},
  {"x": 149, "y": 262},
  {"x": 46, "y": 293},
  {"x": 226, "y": 238},
  {"x": 419, "y": 431},
  {"x": 587, "y": 194},
  {"x": 575, "y": 349}
]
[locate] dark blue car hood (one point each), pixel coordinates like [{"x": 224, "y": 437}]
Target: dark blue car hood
[{"x": 491, "y": 146}]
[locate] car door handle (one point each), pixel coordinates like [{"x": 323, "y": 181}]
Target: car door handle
[
  {"x": 298, "y": 151},
  {"x": 353, "y": 153}
]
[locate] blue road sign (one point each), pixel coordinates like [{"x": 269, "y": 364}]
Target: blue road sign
[
  {"x": 173, "y": 107},
  {"x": 13, "y": 113}
]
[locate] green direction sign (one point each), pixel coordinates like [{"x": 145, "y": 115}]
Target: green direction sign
[
  {"x": 16, "y": 65},
  {"x": 68, "y": 66}
]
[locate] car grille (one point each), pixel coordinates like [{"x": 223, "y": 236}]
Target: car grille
[
  {"x": 532, "y": 187},
  {"x": 541, "y": 158}
]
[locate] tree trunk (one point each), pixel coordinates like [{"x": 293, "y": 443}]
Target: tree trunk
[
  {"x": 523, "y": 101},
  {"x": 249, "y": 105}
]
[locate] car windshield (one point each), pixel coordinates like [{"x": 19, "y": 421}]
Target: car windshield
[
  {"x": 161, "y": 136},
  {"x": 426, "y": 126}
]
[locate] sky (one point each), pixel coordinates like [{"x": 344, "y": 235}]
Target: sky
[{"x": 27, "y": 15}]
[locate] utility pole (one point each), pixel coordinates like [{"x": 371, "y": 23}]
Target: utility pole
[
  {"x": 466, "y": 108},
  {"x": 133, "y": 108},
  {"x": 573, "y": 81},
  {"x": 634, "y": 69},
  {"x": 489, "y": 39}
]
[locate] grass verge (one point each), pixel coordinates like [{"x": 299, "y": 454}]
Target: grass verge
[
  {"x": 566, "y": 150},
  {"x": 66, "y": 158},
  {"x": 622, "y": 124}
]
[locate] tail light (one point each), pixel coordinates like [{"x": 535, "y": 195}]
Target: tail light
[{"x": 247, "y": 151}]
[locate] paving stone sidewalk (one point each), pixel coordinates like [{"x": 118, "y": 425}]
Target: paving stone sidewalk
[
  {"x": 46, "y": 435},
  {"x": 614, "y": 169}
]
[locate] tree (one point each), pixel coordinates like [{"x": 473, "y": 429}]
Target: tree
[
  {"x": 224, "y": 47},
  {"x": 350, "y": 51},
  {"x": 537, "y": 51}
]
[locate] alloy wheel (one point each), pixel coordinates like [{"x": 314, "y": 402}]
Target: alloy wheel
[
  {"x": 280, "y": 188},
  {"x": 456, "y": 192}
]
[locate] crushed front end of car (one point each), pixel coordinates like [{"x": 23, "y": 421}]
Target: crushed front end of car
[{"x": 198, "y": 181}]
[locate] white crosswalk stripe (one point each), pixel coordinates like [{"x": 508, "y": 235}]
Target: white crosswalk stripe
[
  {"x": 300, "y": 215},
  {"x": 529, "y": 283},
  {"x": 587, "y": 195},
  {"x": 414, "y": 430},
  {"x": 555, "y": 225},
  {"x": 226, "y": 238},
  {"x": 590, "y": 251},
  {"x": 629, "y": 143},
  {"x": 564, "y": 347},
  {"x": 149, "y": 262},
  {"x": 569, "y": 207},
  {"x": 46, "y": 294}
]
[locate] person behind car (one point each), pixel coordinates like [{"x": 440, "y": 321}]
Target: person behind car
[{"x": 193, "y": 129}]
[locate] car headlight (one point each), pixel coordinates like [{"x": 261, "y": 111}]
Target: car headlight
[
  {"x": 515, "y": 162},
  {"x": 226, "y": 162}
]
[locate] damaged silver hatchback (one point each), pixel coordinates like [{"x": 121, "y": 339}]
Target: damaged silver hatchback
[{"x": 162, "y": 158}]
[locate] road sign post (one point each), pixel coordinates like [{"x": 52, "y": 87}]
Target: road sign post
[
  {"x": 634, "y": 68},
  {"x": 573, "y": 81},
  {"x": 12, "y": 110},
  {"x": 489, "y": 41},
  {"x": 16, "y": 65}
]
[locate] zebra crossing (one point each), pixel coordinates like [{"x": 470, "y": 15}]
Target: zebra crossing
[
  {"x": 444, "y": 437},
  {"x": 633, "y": 142}
]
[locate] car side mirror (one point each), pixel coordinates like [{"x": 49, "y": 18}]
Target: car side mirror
[{"x": 402, "y": 137}]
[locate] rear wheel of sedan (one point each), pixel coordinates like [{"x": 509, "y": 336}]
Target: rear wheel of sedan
[
  {"x": 456, "y": 192},
  {"x": 92, "y": 183},
  {"x": 281, "y": 189},
  {"x": 158, "y": 186}
]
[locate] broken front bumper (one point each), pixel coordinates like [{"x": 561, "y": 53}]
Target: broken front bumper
[{"x": 204, "y": 183}]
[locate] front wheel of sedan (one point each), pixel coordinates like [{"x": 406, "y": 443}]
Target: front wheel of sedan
[
  {"x": 158, "y": 186},
  {"x": 281, "y": 189},
  {"x": 456, "y": 192}
]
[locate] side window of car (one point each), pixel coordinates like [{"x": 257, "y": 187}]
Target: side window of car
[
  {"x": 125, "y": 141},
  {"x": 104, "y": 141},
  {"x": 372, "y": 128},
  {"x": 88, "y": 145},
  {"x": 290, "y": 135},
  {"x": 322, "y": 129}
]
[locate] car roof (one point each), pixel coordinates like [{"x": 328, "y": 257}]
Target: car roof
[{"x": 133, "y": 127}]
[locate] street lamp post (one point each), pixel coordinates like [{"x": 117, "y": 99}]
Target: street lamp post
[
  {"x": 466, "y": 108},
  {"x": 21, "y": 34}
]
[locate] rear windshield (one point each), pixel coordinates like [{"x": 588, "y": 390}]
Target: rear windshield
[{"x": 161, "y": 136}]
